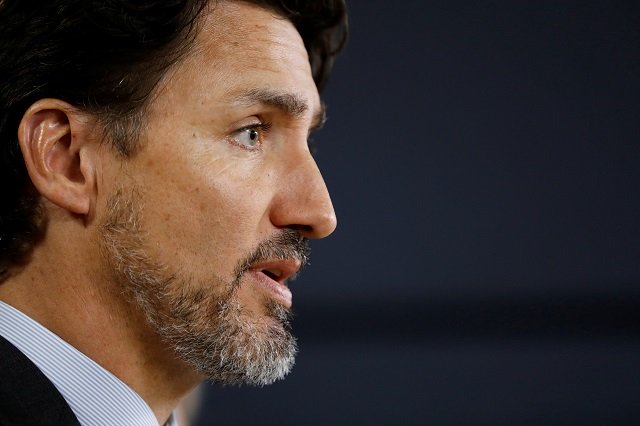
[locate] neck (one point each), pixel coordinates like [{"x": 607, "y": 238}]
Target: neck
[{"x": 61, "y": 290}]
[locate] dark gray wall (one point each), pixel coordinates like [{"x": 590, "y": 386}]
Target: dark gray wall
[{"x": 484, "y": 161}]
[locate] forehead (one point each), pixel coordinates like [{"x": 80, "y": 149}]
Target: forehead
[
  {"x": 227, "y": 25},
  {"x": 242, "y": 47}
]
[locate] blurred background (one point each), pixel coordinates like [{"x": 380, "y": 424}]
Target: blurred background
[{"x": 484, "y": 163}]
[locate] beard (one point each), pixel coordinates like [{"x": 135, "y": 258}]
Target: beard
[{"x": 213, "y": 333}]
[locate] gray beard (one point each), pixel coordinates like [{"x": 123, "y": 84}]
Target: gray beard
[{"x": 213, "y": 334}]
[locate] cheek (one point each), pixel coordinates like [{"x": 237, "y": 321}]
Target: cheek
[{"x": 203, "y": 214}]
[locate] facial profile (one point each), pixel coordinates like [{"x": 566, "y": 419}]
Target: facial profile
[{"x": 205, "y": 225}]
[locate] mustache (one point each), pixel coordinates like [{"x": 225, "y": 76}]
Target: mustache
[{"x": 287, "y": 244}]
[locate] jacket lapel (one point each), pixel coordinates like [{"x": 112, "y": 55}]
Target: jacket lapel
[{"x": 27, "y": 397}]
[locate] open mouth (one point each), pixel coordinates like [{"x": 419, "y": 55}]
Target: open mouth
[
  {"x": 274, "y": 274},
  {"x": 272, "y": 277},
  {"x": 279, "y": 271}
]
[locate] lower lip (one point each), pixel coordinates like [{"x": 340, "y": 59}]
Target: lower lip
[{"x": 276, "y": 290}]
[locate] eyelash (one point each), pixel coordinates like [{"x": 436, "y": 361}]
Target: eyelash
[
  {"x": 263, "y": 129},
  {"x": 313, "y": 145}
]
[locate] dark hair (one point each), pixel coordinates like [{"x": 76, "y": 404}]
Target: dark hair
[{"x": 106, "y": 57}]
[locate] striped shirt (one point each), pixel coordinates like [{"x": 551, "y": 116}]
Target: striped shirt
[{"x": 96, "y": 397}]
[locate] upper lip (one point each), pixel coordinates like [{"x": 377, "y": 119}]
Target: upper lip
[{"x": 278, "y": 270}]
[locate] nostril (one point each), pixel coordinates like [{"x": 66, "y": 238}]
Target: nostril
[{"x": 303, "y": 229}]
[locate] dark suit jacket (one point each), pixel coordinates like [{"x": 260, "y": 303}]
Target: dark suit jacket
[{"x": 27, "y": 397}]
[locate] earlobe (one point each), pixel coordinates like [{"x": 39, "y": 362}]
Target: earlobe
[{"x": 55, "y": 143}]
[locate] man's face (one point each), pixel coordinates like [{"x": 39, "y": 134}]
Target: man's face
[{"x": 206, "y": 222}]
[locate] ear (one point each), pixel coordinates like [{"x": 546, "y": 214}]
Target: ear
[{"x": 57, "y": 146}]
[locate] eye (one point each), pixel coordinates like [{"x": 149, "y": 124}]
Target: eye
[{"x": 250, "y": 137}]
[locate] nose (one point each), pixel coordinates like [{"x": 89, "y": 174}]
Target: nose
[{"x": 302, "y": 201}]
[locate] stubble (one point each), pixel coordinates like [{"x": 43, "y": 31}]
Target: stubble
[{"x": 210, "y": 331}]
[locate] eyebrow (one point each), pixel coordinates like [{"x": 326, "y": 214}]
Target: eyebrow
[{"x": 290, "y": 103}]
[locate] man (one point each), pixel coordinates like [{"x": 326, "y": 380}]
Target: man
[{"x": 157, "y": 195}]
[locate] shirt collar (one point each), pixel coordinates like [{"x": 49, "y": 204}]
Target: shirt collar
[{"x": 95, "y": 395}]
